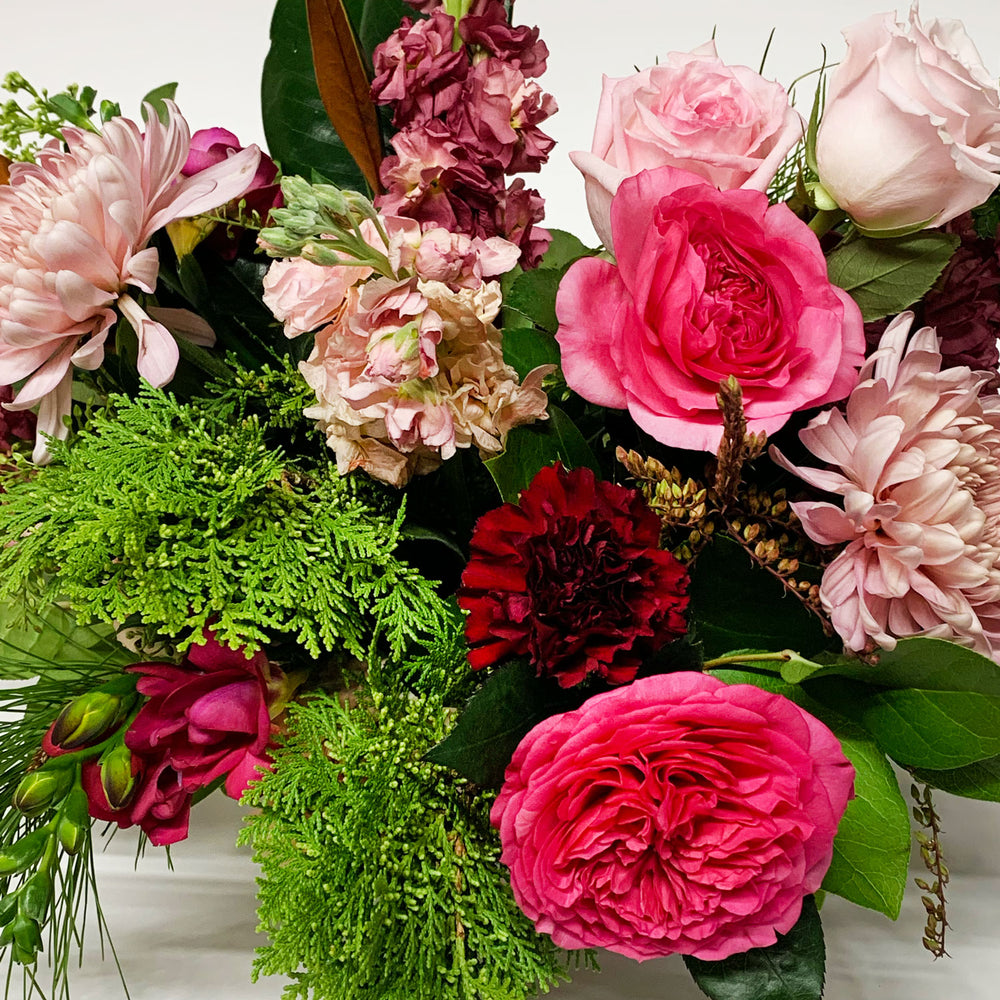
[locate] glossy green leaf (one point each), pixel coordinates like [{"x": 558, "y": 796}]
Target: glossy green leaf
[
  {"x": 871, "y": 850},
  {"x": 794, "y": 968},
  {"x": 526, "y": 347},
  {"x": 297, "y": 128},
  {"x": 563, "y": 250},
  {"x": 156, "y": 98},
  {"x": 375, "y": 20},
  {"x": 737, "y": 605},
  {"x": 533, "y": 446},
  {"x": 934, "y": 729},
  {"x": 884, "y": 276},
  {"x": 974, "y": 781},
  {"x": 496, "y": 719},
  {"x": 533, "y": 294},
  {"x": 51, "y": 640}
]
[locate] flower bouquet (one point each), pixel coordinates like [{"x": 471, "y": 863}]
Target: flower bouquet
[{"x": 534, "y": 597}]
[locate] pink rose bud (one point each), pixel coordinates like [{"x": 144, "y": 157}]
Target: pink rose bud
[
  {"x": 910, "y": 135},
  {"x": 726, "y": 124}
]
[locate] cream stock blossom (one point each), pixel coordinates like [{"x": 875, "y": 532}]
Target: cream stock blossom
[{"x": 916, "y": 459}]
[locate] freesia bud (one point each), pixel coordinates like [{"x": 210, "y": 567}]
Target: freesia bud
[
  {"x": 117, "y": 777},
  {"x": 74, "y": 822},
  {"x": 87, "y": 720},
  {"x": 40, "y": 790},
  {"x": 22, "y": 854}
]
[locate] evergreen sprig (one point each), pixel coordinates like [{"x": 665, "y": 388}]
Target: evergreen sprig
[
  {"x": 398, "y": 857},
  {"x": 182, "y": 516}
]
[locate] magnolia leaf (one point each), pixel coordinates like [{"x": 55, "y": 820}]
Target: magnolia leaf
[
  {"x": 343, "y": 84},
  {"x": 496, "y": 719},
  {"x": 296, "y": 125},
  {"x": 531, "y": 447},
  {"x": 871, "y": 850},
  {"x": 884, "y": 276},
  {"x": 794, "y": 968}
]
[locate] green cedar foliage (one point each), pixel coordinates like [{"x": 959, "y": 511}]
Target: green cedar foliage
[
  {"x": 381, "y": 874},
  {"x": 179, "y": 515}
]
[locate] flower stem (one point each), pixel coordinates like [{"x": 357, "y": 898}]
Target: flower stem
[
  {"x": 823, "y": 221},
  {"x": 783, "y": 657}
]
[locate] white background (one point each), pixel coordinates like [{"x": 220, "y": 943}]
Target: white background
[{"x": 189, "y": 934}]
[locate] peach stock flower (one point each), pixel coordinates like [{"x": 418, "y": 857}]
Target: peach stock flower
[
  {"x": 74, "y": 230},
  {"x": 916, "y": 459}
]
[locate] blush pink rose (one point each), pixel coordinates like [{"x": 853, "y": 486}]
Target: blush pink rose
[
  {"x": 675, "y": 815},
  {"x": 910, "y": 134},
  {"x": 724, "y": 123},
  {"x": 708, "y": 284}
]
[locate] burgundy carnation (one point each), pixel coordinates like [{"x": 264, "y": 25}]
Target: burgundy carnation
[
  {"x": 14, "y": 423},
  {"x": 572, "y": 578}
]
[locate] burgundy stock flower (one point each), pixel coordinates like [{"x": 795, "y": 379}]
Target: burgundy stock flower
[
  {"x": 14, "y": 423},
  {"x": 417, "y": 71},
  {"x": 489, "y": 30},
  {"x": 572, "y": 578}
]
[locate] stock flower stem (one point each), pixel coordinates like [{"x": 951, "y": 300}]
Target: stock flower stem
[{"x": 783, "y": 657}]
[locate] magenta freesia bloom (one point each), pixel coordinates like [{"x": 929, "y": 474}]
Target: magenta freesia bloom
[
  {"x": 675, "y": 815},
  {"x": 207, "y": 717},
  {"x": 708, "y": 284},
  {"x": 74, "y": 230}
]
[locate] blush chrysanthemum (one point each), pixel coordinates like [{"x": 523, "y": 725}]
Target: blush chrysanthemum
[
  {"x": 916, "y": 458},
  {"x": 74, "y": 229}
]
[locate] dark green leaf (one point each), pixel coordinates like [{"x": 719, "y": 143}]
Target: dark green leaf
[
  {"x": 527, "y": 347},
  {"x": 563, "y": 250},
  {"x": 884, "y": 276},
  {"x": 917, "y": 662},
  {"x": 533, "y": 446},
  {"x": 737, "y": 605},
  {"x": 296, "y": 125},
  {"x": 974, "y": 781},
  {"x": 939, "y": 730},
  {"x": 533, "y": 295},
  {"x": 496, "y": 719},
  {"x": 794, "y": 968},
  {"x": 375, "y": 20},
  {"x": 156, "y": 97},
  {"x": 871, "y": 850},
  {"x": 987, "y": 217}
]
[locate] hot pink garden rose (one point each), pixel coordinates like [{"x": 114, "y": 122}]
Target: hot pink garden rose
[
  {"x": 708, "y": 284},
  {"x": 725, "y": 123},
  {"x": 911, "y": 129},
  {"x": 675, "y": 815}
]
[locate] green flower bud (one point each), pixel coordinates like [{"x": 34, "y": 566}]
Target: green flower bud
[
  {"x": 74, "y": 823},
  {"x": 87, "y": 720},
  {"x": 27, "y": 936},
  {"x": 36, "y": 894},
  {"x": 42, "y": 789},
  {"x": 8, "y": 907},
  {"x": 22, "y": 854},
  {"x": 117, "y": 779}
]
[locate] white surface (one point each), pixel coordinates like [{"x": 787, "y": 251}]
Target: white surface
[{"x": 188, "y": 935}]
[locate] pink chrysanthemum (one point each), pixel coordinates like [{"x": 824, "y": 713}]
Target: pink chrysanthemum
[
  {"x": 74, "y": 229},
  {"x": 916, "y": 458}
]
